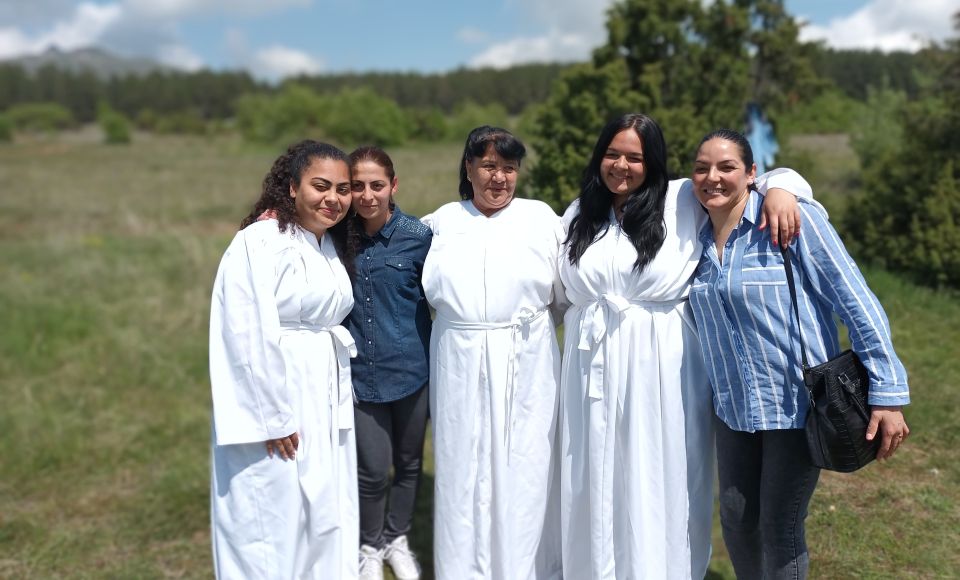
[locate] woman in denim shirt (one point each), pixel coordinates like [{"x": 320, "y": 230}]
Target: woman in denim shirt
[
  {"x": 751, "y": 349},
  {"x": 390, "y": 322}
]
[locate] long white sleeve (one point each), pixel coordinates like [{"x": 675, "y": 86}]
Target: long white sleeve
[
  {"x": 788, "y": 179},
  {"x": 247, "y": 374}
]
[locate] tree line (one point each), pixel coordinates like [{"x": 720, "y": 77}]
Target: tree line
[
  {"x": 691, "y": 65},
  {"x": 209, "y": 96},
  {"x": 695, "y": 66}
]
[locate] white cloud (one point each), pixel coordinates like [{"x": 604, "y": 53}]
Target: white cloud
[
  {"x": 552, "y": 47},
  {"x": 276, "y": 62},
  {"x": 172, "y": 9},
  {"x": 14, "y": 43},
  {"x": 149, "y": 28},
  {"x": 573, "y": 27},
  {"x": 179, "y": 56},
  {"x": 271, "y": 63},
  {"x": 83, "y": 28},
  {"x": 888, "y": 25}
]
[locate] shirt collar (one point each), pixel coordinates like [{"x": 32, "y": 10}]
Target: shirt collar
[
  {"x": 751, "y": 214},
  {"x": 387, "y": 230}
]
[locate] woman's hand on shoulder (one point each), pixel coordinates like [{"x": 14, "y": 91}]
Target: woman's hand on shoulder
[
  {"x": 892, "y": 428},
  {"x": 286, "y": 447},
  {"x": 781, "y": 212}
]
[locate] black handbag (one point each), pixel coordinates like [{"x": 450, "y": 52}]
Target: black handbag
[{"x": 837, "y": 421}]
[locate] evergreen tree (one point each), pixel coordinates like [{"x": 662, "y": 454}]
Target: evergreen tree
[
  {"x": 691, "y": 67},
  {"x": 908, "y": 216}
]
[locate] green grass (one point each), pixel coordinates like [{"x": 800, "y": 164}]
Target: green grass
[{"x": 107, "y": 255}]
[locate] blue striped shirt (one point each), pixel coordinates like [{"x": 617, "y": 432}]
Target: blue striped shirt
[{"x": 743, "y": 313}]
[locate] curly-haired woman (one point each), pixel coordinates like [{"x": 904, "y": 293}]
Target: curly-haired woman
[{"x": 284, "y": 483}]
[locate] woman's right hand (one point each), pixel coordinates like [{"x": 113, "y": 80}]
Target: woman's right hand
[{"x": 286, "y": 447}]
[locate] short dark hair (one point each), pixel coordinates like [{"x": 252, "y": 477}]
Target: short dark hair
[
  {"x": 735, "y": 137},
  {"x": 504, "y": 143}
]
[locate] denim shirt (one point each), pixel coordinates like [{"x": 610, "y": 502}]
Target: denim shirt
[{"x": 390, "y": 320}]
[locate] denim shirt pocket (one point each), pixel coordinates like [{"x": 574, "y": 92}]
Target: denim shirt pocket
[{"x": 400, "y": 275}]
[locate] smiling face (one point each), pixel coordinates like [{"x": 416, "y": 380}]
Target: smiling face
[
  {"x": 721, "y": 180},
  {"x": 372, "y": 190},
  {"x": 323, "y": 195},
  {"x": 494, "y": 180},
  {"x": 622, "y": 167}
]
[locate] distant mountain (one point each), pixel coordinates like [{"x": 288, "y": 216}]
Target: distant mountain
[{"x": 98, "y": 61}]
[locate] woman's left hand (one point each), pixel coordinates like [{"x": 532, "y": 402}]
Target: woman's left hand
[
  {"x": 893, "y": 430},
  {"x": 780, "y": 211}
]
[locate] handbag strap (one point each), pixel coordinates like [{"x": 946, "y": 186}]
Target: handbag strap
[{"x": 788, "y": 266}]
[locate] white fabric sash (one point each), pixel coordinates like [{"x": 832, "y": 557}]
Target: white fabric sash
[
  {"x": 519, "y": 326},
  {"x": 598, "y": 319},
  {"x": 346, "y": 349}
]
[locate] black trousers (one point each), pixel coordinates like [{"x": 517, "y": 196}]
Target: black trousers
[{"x": 389, "y": 435}]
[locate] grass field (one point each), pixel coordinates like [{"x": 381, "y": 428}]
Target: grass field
[{"x": 107, "y": 255}]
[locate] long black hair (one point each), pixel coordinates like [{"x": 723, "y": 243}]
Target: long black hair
[
  {"x": 643, "y": 211},
  {"x": 504, "y": 143},
  {"x": 287, "y": 170}
]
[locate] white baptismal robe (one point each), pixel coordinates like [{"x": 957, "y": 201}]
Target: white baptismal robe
[
  {"x": 637, "y": 457},
  {"x": 279, "y": 364},
  {"x": 494, "y": 371}
]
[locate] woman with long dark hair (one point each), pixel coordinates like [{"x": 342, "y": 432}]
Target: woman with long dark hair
[
  {"x": 636, "y": 438},
  {"x": 284, "y": 482}
]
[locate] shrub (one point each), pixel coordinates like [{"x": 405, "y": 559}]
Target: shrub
[
  {"x": 468, "y": 116},
  {"x": 288, "y": 115},
  {"x": 427, "y": 124},
  {"x": 40, "y": 117},
  {"x": 6, "y": 129},
  {"x": 115, "y": 127},
  {"x": 362, "y": 116}
]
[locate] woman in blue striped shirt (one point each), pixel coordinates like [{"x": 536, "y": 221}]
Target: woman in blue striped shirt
[{"x": 743, "y": 308}]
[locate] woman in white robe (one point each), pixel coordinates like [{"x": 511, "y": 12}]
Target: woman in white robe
[
  {"x": 491, "y": 275},
  {"x": 283, "y": 482},
  {"x": 637, "y": 441}
]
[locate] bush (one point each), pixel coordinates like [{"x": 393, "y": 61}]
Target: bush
[
  {"x": 468, "y": 116},
  {"x": 351, "y": 116},
  {"x": 185, "y": 122},
  {"x": 829, "y": 112},
  {"x": 361, "y": 116},
  {"x": 286, "y": 116},
  {"x": 40, "y": 117},
  {"x": 6, "y": 129},
  {"x": 427, "y": 124},
  {"x": 115, "y": 127}
]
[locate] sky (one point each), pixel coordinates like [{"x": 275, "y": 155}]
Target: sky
[{"x": 277, "y": 38}]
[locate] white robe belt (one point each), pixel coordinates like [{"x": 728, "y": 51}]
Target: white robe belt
[
  {"x": 346, "y": 349},
  {"x": 518, "y": 325},
  {"x": 597, "y": 322}
]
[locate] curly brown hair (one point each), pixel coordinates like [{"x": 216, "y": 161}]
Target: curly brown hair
[{"x": 287, "y": 171}]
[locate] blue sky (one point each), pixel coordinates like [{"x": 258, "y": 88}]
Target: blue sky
[{"x": 275, "y": 38}]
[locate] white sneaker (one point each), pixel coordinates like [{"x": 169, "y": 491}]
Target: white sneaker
[
  {"x": 371, "y": 563},
  {"x": 402, "y": 560}
]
